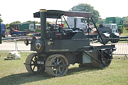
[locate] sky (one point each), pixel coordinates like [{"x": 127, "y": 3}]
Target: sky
[{"x": 22, "y": 10}]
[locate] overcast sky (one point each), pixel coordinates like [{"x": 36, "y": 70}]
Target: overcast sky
[{"x": 22, "y": 10}]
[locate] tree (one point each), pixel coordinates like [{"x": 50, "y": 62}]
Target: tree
[
  {"x": 87, "y": 8},
  {"x": 7, "y": 26},
  {"x": 125, "y": 19},
  {"x": 12, "y": 24},
  {"x": 101, "y": 21},
  {"x": 16, "y": 22},
  {"x": 125, "y": 22},
  {"x": 31, "y": 22},
  {"x": 1, "y": 20}
]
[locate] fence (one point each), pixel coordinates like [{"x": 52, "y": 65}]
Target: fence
[
  {"x": 121, "y": 48},
  {"x": 14, "y": 46}
]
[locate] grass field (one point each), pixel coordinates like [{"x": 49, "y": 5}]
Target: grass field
[{"x": 13, "y": 72}]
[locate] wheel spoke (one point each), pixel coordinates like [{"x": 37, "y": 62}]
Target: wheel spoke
[
  {"x": 56, "y": 72},
  {"x": 32, "y": 60},
  {"x": 34, "y": 68},
  {"x": 59, "y": 62},
  {"x": 59, "y": 71},
  {"x": 54, "y": 62},
  {"x": 35, "y": 58}
]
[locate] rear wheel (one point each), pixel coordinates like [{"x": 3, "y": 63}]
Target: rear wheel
[
  {"x": 56, "y": 65},
  {"x": 31, "y": 64}
]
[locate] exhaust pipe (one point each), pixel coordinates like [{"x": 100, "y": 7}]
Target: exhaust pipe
[{"x": 43, "y": 22}]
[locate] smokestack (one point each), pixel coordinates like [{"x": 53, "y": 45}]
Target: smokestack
[{"x": 43, "y": 22}]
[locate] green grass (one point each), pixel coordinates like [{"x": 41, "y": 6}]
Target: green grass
[{"x": 13, "y": 72}]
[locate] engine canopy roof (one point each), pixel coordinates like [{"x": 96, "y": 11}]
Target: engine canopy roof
[{"x": 59, "y": 13}]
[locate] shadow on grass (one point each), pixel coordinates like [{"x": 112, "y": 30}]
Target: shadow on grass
[
  {"x": 77, "y": 70},
  {"x": 22, "y": 78}
]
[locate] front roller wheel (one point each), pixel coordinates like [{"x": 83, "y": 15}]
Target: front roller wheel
[
  {"x": 31, "y": 64},
  {"x": 56, "y": 65},
  {"x": 105, "y": 59}
]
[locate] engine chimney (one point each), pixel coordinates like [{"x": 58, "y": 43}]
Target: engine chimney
[{"x": 43, "y": 22}]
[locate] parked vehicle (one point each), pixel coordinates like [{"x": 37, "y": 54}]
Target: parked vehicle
[
  {"x": 109, "y": 32},
  {"x": 77, "y": 23},
  {"x": 25, "y": 28},
  {"x": 3, "y": 30},
  {"x": 37, "y": 28},
  {"x": 0, "y": 36},
  {"x": 116, "y": 20}
]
